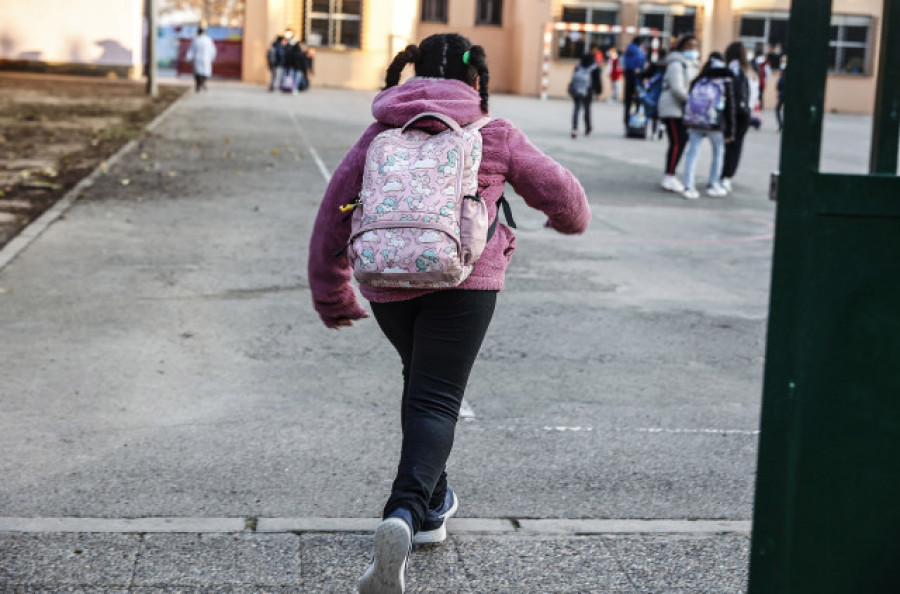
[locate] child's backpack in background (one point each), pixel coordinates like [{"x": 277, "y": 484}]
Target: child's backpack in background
[
  {"x": 705, "y": 104},
  {"x": 288, "y": 83},
  {"x": 419, "y": 222},
  {"x": 580, "y": 84},
  {"x": 651, "y": 92}
]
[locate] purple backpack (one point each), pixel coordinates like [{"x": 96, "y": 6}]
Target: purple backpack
[
  {"x": 419, "y": 222},
  {"x": 705, "y": 104}
]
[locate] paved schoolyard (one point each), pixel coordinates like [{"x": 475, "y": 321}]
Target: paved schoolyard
[{"x": 167, "y": 382}]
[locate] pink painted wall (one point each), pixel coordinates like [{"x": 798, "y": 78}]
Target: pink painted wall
[{"x": 89, "y": 32}]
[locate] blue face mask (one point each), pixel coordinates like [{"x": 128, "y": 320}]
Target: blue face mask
[{"x": 691, "y": 54}]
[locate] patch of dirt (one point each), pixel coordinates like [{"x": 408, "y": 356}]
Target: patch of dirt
[{"x": 55, "y": 130}]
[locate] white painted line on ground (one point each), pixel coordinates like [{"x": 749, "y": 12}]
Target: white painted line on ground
[
  {"x": 700, "y": 431},
  {"x": 460, "y": 526},
  {"x": 465, "y": 411},
  {"x": 312, "y": 150}
]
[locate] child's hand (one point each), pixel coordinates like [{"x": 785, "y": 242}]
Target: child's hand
[{"x": 346, "y": 322}]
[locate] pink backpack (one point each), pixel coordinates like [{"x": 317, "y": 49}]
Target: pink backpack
[{"x": 419, "y": 222}]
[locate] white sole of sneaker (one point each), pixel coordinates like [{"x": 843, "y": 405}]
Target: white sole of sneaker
[
  {"x": 387, "y": 573},
  {"x": 438, "y": 534}
]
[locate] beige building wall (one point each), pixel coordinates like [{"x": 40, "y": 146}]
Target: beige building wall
[
  {"x": 515, "y": 49},
  {"x": 80, "y": 36},
  {"x": 387, "y": 27},
  {"x": 498, "y": 42},
  {"x": 846, "y": 93}
]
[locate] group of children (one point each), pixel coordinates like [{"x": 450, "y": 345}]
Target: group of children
[
  {"x": 716, "y": 101},
  {"x": 289, "y": 64}
]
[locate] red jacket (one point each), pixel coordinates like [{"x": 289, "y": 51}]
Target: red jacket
[{"x": 508, "y": 156}]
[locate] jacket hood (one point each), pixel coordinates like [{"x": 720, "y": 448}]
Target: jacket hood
[
  {"x": 721, "y": 72},
  {"x": 676, "y": 56},
  {"x": 397, "y": 105}
]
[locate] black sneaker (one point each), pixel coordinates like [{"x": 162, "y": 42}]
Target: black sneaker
[{"x": 434, "y": 528}]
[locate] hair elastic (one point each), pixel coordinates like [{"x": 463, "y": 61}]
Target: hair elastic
[{"x": 466, "y": 57}]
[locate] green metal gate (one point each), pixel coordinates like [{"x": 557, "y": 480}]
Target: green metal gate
[{"x": 827, "y": 511}]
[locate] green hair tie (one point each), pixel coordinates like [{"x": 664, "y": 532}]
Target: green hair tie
[{"x": 466, "y": 58}]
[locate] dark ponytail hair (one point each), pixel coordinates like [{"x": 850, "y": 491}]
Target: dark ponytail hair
[{"x": 445, "y": 55}]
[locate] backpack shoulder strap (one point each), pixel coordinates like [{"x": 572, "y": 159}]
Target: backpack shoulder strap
[
  {"x": 478, "y": 124},
  {"x": 432, "y": 115},
  {"x": 503, "y": 203}
]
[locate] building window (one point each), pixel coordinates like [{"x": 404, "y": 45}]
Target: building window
[
  {"x": 573, "y": 44},
  {"x": 434, "y": 11},
  {"x": 333, "y": 23},
  {"x": 489, "y": 12},
  {"x": 671, "y": 20},
  {"x": 765, "y": 32},
  {"x": 848, "y": 44}
]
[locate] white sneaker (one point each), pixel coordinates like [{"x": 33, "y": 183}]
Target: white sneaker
[
  {"x": 690, "y": 194},
  {"x": 716, "y": 191},
  {"x": 671, "y": 183},
  {"x": 726, "y": 183},
  {"x": 387, "y": 573}
]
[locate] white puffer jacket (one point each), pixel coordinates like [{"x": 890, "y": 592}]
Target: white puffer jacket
[{"x": 676, "y": 85}]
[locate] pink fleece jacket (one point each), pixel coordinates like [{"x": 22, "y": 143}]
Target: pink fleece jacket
[{"x": 508, "y": 156}]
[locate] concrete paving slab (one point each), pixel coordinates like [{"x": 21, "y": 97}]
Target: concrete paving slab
[
  {"x": 333, "y": 562},
  {"x": 541, "y": 565},
  {"x": 64, "y": 560},
  {"x": 217, "y": 559},
  {"x": 685, "y": 564}
]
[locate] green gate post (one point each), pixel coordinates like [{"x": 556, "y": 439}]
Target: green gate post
[{"x": 827, "y": 510}]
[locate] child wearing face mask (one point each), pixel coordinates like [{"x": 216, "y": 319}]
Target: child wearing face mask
[{"x": 681, "y": 68}]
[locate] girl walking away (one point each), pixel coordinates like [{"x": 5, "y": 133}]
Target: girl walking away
[
  {"x": 437, "y": 333},
  {"x": 709, "y": 113},
  {"x": 585, "y": 83},
  {"x": 744, "y": 85},
  {"x": 681, "y": 69}
]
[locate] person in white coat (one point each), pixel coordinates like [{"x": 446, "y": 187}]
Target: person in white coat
[{"x": 202, "y": 52}]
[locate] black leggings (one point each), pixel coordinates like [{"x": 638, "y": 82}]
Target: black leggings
[
  {"x": 733, "y": 148},
  {"x": 438, "y": 336},
  {"x": 677, "y": 141}
]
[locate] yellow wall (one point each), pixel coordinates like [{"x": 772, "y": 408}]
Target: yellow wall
[
  {"x": 515, "y": 50},
  {"x": 844, "y": 93},
  {"x": 387, "y": 27},
  {"x": 57, "y": 32},
  {"x": 497, "y": 41}
]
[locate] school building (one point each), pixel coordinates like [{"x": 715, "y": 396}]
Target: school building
[{"x": 354, "y": 40}]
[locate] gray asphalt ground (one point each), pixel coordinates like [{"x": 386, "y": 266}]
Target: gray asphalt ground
[{"x": 176, "y": 418}]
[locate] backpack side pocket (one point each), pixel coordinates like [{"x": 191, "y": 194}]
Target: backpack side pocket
[{"x": 473, "y": 227}]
